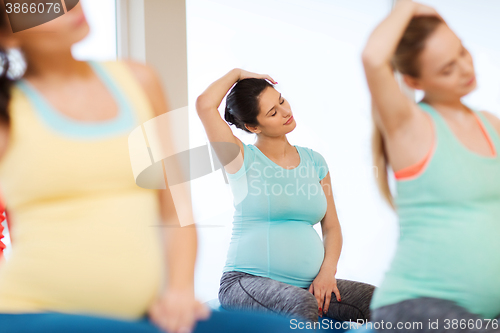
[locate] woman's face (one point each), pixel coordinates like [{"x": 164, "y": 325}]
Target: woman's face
[
  {"x": 446, "y": 66},
  {"x": 53, "y": 36},
  {"x": 275, "y": 115}
]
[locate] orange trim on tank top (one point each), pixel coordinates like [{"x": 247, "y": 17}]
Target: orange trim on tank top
[{"x": 419, "y": 167}]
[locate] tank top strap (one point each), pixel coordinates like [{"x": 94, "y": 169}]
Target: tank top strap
[
  {"x": 441, "y": 128},
  {"x": 492, "y": 133},
  {"x": 444, "y": 132},
  {"x": 432, "y": 112}
]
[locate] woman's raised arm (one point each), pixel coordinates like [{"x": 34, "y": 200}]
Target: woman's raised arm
[
  {"x": 391, "y": 107},
  {"x": 216, "y": 128}
]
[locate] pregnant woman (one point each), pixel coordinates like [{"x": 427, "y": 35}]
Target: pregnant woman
[
  {"x": 445, "y": 160},
  {"x": 276, "y": 261},
  {"x": 86, "y": 251}
]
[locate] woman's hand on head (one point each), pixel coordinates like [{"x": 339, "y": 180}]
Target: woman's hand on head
[
  {"x": 243, "y": 74},
  {"x": 418, "y": 8},
  {"x": 177, "y": 311}
]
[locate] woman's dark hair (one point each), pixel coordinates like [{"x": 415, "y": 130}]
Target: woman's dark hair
[
  {"x": 242, "y": 102},
  {"x": 5, "y": 81},
  {"x": 411, "y": 45}
]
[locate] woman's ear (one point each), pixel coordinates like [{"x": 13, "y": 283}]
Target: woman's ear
[
  {"x": 253, "y": 129},
  {"x": 412, "y": 82}
]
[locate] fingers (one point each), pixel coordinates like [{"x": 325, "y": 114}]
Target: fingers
[
  {"x": 202, "y": 312},
  {"x": 328, "y": 298},
  {"x": 185, "y": 323},
  {"x": 157, "y": 317},
  {"x": 321, "y": 302},
  {"x": 270, "y": 79},
  {"x": 172, "y": 321},
  {"x": 423, "y": 10},
  {"x": 311, "y": 289},
  {"x": 319, "y": 299},
  {"x": 168, "y": 322},
  {"x": 337, "y": 293}
]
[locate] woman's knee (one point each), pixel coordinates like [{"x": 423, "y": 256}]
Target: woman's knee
[
  {"x": 305, "y": 305},
  {"x": 355, "y": 300}
]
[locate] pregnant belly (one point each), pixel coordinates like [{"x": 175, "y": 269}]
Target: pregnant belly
[
  {"x": 459, "y": 264},
  {"x": 110, "y": 271},
  {"x": 296, "y": 252}
]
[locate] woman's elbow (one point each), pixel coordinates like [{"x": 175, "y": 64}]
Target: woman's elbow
[
  {"x": 202, "y": 104},
  {"x": 371, "y": 61}
]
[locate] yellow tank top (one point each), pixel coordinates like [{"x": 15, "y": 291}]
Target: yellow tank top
[{"x": 85, "y": 237}]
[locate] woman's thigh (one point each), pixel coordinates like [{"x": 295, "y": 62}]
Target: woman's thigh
[
  {"x": 355, "y": 298},
  {"x": 228, "y": 321},
  {"x": 239, "y": 290},
  {"x": 429, "y": 314}
]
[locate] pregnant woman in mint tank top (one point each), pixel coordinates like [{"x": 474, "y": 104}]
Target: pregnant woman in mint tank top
[
  {"x": 276, "y": 260},
  {"x": 445, "y": 156}
]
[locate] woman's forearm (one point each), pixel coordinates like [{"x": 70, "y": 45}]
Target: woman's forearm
[
  {"x": 383, "y": 41},
  {"x": 181, "y": 248},
  {"x": 213, "y": 95},
  {"x": 332, "y": 241},
  {"x": 180, "y": 239}
]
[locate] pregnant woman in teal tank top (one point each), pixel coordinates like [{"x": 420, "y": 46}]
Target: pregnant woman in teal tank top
[
  {"x": 276, "y": 260},
  {"x": 445, "y": 157}
]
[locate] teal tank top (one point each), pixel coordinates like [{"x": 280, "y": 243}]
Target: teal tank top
[
  {"x": 449, "y": 216},
  {"x": 275, "y": 211}
]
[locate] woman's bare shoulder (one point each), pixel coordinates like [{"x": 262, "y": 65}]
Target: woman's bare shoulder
[
  {"x": 144, "y": 73},
  {"x": 152, "y": 85}
]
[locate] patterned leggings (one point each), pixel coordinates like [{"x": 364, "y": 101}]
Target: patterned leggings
[
  {"x": 429, "y": 314},
  {"x": 239, "y": 290}
]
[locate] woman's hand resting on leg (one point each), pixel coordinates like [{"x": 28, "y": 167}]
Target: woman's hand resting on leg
[
  {"x": 177, "y": 311},
  {"x": 322, "y": 288}
]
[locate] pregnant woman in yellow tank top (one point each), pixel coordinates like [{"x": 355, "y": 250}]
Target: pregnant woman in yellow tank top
[{"x": 87, "y": 252}]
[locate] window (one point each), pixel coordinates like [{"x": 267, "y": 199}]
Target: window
[{"x": 100, "y": 43}]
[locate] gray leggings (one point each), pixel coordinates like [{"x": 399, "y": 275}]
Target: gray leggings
[
  {"x": 239, "y": 290},
  {"x": 419, "y": 312}
]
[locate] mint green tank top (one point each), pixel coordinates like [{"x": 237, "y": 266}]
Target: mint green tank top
[
  {"x": 449, "y": 216},
  {"x": 275, "y": 211}
]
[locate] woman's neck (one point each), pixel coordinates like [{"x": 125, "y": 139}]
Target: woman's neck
[
  {"x": 53, "y": 67},
  {"x": 449, "y": 103},
  {"x": 275, "y": 147},
  {"x": 452, "y": 108}
]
